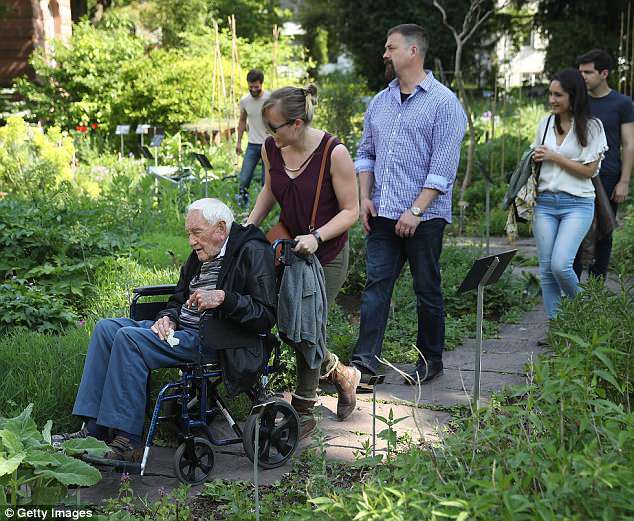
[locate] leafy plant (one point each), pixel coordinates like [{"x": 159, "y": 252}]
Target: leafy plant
[
  {"x": 389, "y": 434},
  {"x": 32, "y": 471},
  {"x": 33, "y": 162}
]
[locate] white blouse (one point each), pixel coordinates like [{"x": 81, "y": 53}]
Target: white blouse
[{"x": 552, "y": 177}]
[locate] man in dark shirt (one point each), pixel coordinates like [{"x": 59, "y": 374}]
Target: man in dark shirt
[{"x": 617, "y": 115}]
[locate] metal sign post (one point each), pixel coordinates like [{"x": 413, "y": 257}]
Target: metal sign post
[
  {"x": 257, "y": 410},
  {"x": 122, "y": 130},
  {"x": 484, "y": 271},
  {"x": 206, "y": 164}
]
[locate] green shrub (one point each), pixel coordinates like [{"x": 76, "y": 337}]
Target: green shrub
[
  {"x": 81, "y": 81},
  {"x": 33, "y": 162},
  {"x": 108, "y": 76},
  {"x": 25, "y": 305},
  {"x": 55, "y": 246},
  {"x": 341, "y": 107}
]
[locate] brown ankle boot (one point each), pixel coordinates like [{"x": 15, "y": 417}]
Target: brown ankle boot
[
  {"x": 345, "y": 379},
  {"x": 307, "y": 421}
]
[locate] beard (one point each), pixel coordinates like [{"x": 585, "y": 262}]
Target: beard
[{"x": 390, "y": 73}]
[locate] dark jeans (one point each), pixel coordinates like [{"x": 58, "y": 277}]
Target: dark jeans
[
  {"x": 386, "y": 254},
  {"x": 252, "y": 156},
  {"x": 603, "y": 248}
]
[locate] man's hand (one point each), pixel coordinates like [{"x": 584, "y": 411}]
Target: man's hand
[
  {"x": 306, "y": 244},
  {"x": 366, "y": 210},
  {"x": 407, "y": 224},
  {"x": 620, "y": 192},
  {"x": 239, "y": 148},
  {"x": 203, "y": 299},
  {"x": 162, "y": 327}
]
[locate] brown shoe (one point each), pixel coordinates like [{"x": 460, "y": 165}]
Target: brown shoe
[
  {"x": 345, "y": 379},
  {"x": 122, "y": 450},
  {"x": 307, "y": 420}
]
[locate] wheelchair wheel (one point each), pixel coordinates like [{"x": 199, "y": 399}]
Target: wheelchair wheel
[
  {"x": 279, "y": 435},
  {"x": 192, "y": 465}
]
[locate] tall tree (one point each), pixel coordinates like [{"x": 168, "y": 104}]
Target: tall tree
[
  {"x": 575, "y": 26},
  {"x": 476, "y": 15},
  {"x": 360, "y": 27}
]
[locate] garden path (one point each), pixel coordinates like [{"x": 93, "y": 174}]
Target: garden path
[{"x": 504, "y": 364}]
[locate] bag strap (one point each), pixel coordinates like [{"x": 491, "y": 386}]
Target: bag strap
[
  {"x": 538, "y": 169},
  {"x": 322, "y": 169}
]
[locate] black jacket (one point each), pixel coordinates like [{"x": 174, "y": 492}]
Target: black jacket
[{"x": 236, "y": 330}]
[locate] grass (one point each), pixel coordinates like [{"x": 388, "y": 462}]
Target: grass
[{"x": 45, "y": 370}]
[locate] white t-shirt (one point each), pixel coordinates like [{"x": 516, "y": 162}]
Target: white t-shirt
[
  {"x": 253, "y": 107},
  {"x": 552, "y": 177}
]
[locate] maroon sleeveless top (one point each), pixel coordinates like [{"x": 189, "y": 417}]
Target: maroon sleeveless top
[{"x": 296, "y": 197}]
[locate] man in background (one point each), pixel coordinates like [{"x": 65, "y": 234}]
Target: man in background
[
  {"x": 251, "y": 120},
  {"x": 617, "y": 115}
]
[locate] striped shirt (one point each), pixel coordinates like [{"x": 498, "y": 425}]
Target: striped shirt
[
  {"x": 412, "y": 145},
  {"x": 189, "y": 317}
]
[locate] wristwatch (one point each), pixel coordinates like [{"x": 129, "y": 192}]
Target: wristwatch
[
  {"x": 316, "y": 235},
  {"x": 416, "y": 211}
]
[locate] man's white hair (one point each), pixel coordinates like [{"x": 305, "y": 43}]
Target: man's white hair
[{"x": 213, "y": 210}]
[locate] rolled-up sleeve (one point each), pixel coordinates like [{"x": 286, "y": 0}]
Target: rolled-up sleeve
[
  {"x": 366, "y": 155},
  {"x": 449, "y": 130}
]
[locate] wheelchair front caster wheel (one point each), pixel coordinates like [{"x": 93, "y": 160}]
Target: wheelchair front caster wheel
[
  {"x": 194, "y": 461},
  {"x": 279, "y": 435}
]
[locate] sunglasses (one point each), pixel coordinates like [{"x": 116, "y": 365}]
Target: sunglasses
[{"x": 273, "y": 129}]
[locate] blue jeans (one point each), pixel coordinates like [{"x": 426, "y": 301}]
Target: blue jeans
[
  {"x": 252, "y": 156},
  {"x": 561, "y": 222},
  {"x": 121, "y": 354},
  {"x": 386, "y": 254}
]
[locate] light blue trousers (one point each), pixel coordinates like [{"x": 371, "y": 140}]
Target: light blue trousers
[
  {"x": 560, "y": 223},
  {"x": 121, "y": 354}
]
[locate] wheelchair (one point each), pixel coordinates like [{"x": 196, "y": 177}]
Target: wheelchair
[{"x": 195, "y": 402}]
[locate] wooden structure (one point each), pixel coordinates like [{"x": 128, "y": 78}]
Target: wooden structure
[{"x": 25, "y": 25}]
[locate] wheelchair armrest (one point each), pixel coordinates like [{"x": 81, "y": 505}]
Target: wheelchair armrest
[{"x": 151, "y": 291}]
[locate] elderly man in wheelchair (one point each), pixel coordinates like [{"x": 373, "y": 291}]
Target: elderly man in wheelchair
[{"x": 222, "y": 310}]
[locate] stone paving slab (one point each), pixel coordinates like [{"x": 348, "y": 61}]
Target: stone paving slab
[{"x": 344, "y": 439}]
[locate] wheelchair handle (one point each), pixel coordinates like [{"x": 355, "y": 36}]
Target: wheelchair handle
[{"x": 291, "y": 242}]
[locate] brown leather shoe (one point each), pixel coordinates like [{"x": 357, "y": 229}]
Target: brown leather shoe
[
  {"x": 307, "y": 420},
  {"x": 345, "y": 379},
  {"x": 122, "y": 450}
]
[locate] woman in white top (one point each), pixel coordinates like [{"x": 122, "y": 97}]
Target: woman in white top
[{"x": 570, "y": 156}]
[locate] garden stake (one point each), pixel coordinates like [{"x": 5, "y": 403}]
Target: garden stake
[
  {"x": 479, "y": 320},
  {"x": 373, "y": 421},
  {"x": 374, "y": 381},
  {"x": 257, "y": 410},
  {"x": 255, "y": 466}
]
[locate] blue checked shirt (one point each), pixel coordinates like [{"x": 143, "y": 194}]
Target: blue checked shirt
[{"x": 412, "y": 145}]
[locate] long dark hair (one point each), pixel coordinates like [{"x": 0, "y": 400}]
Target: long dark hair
[{"x": 572, "y": 83}]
